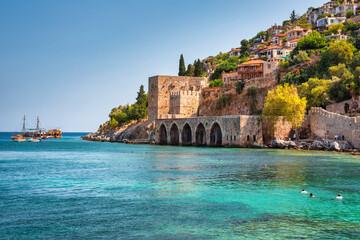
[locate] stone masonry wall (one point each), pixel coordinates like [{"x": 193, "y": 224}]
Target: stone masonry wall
[
  {"x": 236, "y": 131},
  {"x": 184, "y": 103},
  {"x": 353, "y": 105},
  {"x": 161, "y": 87},
  {"x": 323, "y": 122}
]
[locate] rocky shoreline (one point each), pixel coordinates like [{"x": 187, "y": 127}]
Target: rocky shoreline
[
  {"x": 311, "y": 144},
  {"x": 137, "y": 132},
  {"x": 143, "y": 133}
]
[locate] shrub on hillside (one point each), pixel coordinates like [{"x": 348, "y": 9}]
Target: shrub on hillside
[{"x": 216, "y": 83}]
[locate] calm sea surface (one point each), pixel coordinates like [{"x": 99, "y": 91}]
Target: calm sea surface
[{"x": 72, "y": 189}]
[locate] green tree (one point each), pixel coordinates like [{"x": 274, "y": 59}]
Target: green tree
[
  {"x": 340, "y": 86},
  {"x": 226, "y": 66},
  {"x": 355, "y": 61},
  {"x": 337, "y": 52},
  {"x": 141, "y": 96},
  {"x": 324, "y": 15},
  {"x": 293, "y": 17},
  {"x": 312, "y": 41},
  {"x": 357, "y": 42},
  {"x": 301, "y": 57},
  {"x": 190, "y": 70},
  {"x": 349, "y": 13},
  {"x": 198, "y": 68},
  {"x": 245, "y": 48},
  {"x": 113, "y": 123},
  {"x": 335, "y": 29},
  {"x": 182, "y": 70},
  {"x": 315, "y": 91},
  {"x": 216, "y": 83},
  {"x": 284, "y": 102},
  {"x": 350, "y": 25}
]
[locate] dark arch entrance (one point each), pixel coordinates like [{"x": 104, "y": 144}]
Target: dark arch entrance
[
  {"x": 163, "y": 134},
  {"x": 174, "y": 134},
  {"x": 200, "y": 135},
  {"x": 346, "y": 108},
  {"x": 215, "y": 135},
  {"x": 186, "y": 136}
]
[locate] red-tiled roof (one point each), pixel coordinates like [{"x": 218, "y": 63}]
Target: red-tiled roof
[
  {"x": 274, "y": 47},
  {"x": 295, "y": 40},
  {"x": 235, "y": 50},
  {"x": 280, "y": 35},
  {"x": 253, "y": 62}
]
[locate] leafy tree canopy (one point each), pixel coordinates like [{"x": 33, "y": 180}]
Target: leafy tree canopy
[
  {"x": 315, "y": 91},
  {"x": 216, "y": 83},
  {"x": 312, "y": 41},
  {"x": 338, "y": 52},
  {"x": 285, "y": 102}
]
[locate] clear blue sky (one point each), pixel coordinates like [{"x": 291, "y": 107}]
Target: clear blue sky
[{"x": 71, "y": 62}]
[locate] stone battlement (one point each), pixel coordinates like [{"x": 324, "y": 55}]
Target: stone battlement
[
  {"x": 174, "y": 95},
  {"x": 327, "y": 124},
  {"x": 186, "y": 93}
]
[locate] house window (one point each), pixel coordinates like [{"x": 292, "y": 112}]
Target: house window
[
  {"x": 248, "y": 137},
  {"x": 254, "y": 138}
]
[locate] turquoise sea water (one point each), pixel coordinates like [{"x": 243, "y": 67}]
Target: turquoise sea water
[{"x": 72, "y": 189}]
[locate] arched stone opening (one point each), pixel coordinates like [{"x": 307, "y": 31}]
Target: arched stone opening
[
  {"x": 174, "y": 134},
  {"x": 215, "y": 135},
  {"x": 186, "y": 135},
  {"x": 162, "y": 134},
  {"x": 200, "y": 135},
  {"x": 346, "y": 108}
]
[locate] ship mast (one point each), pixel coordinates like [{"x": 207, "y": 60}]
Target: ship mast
[
  {"x": 37, "y": 124},
  {"x": 24, "y": 129}
]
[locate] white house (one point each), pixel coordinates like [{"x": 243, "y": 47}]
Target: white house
[{"x": 325, "y": 23}]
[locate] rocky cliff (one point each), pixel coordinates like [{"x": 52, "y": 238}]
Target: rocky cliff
[{"x": 134, "y": 132}]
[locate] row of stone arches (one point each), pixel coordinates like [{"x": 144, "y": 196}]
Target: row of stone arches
[{"x": 187, "y": 135}]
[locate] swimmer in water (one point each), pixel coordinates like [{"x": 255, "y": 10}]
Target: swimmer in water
[
  {"x": 303, "y": 191},
  {"x": 312, "y": 195},
  {"x": 339, "y": 197}
]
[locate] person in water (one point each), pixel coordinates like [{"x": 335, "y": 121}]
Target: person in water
[
  {"x": 339, "y": 197},
  {"x": 312, "y": 195},
  {"x": 303, "y": 191}
]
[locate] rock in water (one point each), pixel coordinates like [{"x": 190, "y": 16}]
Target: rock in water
[{"x": 334, "y": 146}]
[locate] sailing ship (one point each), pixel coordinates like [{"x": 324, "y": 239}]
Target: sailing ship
[{"x": 36, "y": 134}]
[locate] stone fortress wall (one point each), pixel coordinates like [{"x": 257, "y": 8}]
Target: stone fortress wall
[
  {"x": 183, "y": 104},
  {"x": 230, "y": 131},
  {"x": 344, "y": 107},
  {"x": 174, "y": 106},
  {"x": 326, "y": 124},
  {"x": 160, "y": 89}
]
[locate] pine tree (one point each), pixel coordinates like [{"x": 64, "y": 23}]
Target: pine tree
[
  {"x": 198, "y": 68},
  {"x": 293, "y": 17},
  {"x": 141, "y": 96},
  {"x": 182, "y": 69},
  {"x": 190, "y": 70}
]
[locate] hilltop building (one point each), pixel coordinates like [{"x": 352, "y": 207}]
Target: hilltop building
[
  {"x": 324, "y": 23},
  {"x": 235, "y": 52},
  {"x": 277, "y": 39},
  {"x": 332, "y": 8}
]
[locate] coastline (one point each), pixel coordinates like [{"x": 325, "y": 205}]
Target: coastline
[{"x": 119, "y": 136}]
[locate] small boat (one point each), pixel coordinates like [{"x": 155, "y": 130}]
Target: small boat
[
  {"x": 33, "y": 140},
  {"x": 18, "y": 138}
]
